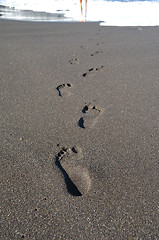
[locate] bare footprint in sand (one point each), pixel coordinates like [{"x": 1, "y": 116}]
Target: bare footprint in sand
[
  {"x": 74, "y": 61},
  {"x": 83, "y": 46},
  {"x": 91, "y": 114},
  {"x": 63, "y": 89},
  {"x": 139, "y": 28},
  {"x": 92, "y": 70},
  {"x": 95, "y": 53},
  {"x": 77, "y": 178}
]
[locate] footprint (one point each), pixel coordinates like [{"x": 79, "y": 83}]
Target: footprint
[
  {"x": 91, "y": 114},
  {"x": 92, "y": 70},
  {"x": 96, "y": 53},
  {"x": 63, "y": 89},
  {"x": 139, "y": 28},
  {"x": 74, "y": 61},
  {"x": 83, "y": 46},
  {"x": 77, "y": 178}
]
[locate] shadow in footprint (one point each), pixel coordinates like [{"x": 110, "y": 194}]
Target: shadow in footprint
[
  {"x": 71, "y": 187},
  {"x": 62, "y": 89},
  {"x": 81, "y": 123}
]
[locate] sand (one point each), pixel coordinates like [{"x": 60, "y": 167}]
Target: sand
[{"x": 79, "y": 131}]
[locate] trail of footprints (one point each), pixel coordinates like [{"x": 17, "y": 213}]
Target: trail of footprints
[{"x": 77, "y": 177}]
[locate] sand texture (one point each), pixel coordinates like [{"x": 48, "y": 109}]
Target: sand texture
[{"x": 79, "y": 131}]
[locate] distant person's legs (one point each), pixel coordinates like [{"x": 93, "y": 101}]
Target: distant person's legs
[
  {"x": 85, "y": 8},
  {"x": 82, "y": 8}
]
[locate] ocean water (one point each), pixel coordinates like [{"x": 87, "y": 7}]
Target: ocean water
[{"x": 107, "y": 12}]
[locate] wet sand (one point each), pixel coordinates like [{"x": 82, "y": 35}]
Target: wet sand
[{"x": 79, "y": 127}]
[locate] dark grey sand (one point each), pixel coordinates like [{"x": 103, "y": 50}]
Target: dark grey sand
[{"x": 44, "y": 147}]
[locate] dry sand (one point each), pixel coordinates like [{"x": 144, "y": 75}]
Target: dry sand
[{"x": 79, "y": 131}]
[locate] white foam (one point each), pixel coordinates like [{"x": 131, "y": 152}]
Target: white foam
[
  {"x": 132, "y": 14},
  {"x": 137, "y": 13}
]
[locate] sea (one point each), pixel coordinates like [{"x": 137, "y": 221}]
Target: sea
[{"x": 106, "y": 12}]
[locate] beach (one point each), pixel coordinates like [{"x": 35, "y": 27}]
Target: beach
[{"x": 79, "y": 127}]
